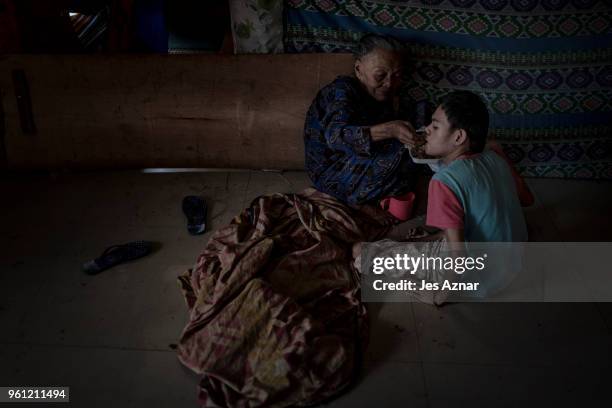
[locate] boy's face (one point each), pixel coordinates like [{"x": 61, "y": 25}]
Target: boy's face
[{"x": 441, "y": 137}]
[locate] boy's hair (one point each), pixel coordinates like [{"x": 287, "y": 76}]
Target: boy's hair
[
  {"x": 370, "y": 42},
  {"x": 465, "y": 110}
]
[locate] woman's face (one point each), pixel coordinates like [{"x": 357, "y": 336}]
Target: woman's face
[{"x": 380, "y": 73}]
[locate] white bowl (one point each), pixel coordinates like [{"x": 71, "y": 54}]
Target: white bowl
[{"x": 422, "y": 161}]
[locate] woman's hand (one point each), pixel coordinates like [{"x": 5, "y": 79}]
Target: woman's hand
[{"x": 398, "y": 129}]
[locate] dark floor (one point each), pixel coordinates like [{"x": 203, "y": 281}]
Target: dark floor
[{"x": 108, "y": 337}]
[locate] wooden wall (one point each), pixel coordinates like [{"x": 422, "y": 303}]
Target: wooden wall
[{"x": 163, "y": 110}]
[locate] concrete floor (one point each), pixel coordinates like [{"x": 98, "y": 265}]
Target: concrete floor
[{"x": 109, "y": 337}]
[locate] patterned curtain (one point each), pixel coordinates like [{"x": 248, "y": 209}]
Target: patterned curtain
[
  {"x": 257, "y": 26},
  {"x": 543, "y": 67}
]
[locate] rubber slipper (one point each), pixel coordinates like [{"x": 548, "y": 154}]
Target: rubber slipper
[
  {"x": 117, "y": 254},
  {"x": 195, "y": 208}
]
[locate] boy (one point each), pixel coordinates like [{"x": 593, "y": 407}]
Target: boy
[{"x": 476, "y": 196}]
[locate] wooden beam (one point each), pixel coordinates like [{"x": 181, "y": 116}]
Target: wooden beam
[{"x": 121, "y": 111}]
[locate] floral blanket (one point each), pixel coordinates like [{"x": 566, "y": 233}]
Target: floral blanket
[{"x": 276, "y": 317}]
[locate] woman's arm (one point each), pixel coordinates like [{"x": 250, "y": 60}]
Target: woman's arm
[
  {"x": 398, "y": 129},
  {"x": 342, "y": 133}
]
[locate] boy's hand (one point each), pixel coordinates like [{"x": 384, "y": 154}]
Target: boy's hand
[
  {"x": 429, "y": 237},
  {"x": 453, "y": 236}
]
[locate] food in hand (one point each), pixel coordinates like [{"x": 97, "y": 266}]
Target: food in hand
[{"x": 418, "y": 151}]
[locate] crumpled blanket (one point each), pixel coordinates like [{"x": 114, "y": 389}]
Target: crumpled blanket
[{"x": 276, "y": 317}]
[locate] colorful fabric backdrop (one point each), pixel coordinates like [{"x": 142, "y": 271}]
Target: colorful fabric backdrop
[{"x": 544, "y": 67}]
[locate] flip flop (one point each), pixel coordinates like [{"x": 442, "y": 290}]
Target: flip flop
[
  {"x": 117, "y": 254},
  {"x": 195, "y": 209}
]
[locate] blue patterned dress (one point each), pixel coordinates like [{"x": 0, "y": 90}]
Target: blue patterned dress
[{"x": 341, "y": 160}]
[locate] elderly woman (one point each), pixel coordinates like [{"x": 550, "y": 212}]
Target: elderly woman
[{"x": 354, "y": 147}]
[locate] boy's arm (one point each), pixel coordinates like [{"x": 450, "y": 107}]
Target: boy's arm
[
  {"x": 456, "y": 248},
  {"x": 444, "y": 211},
  {"x": 455, "y": 238},
  {"x": 429, "y": 237},
  {"x": 452, "y": 235}
]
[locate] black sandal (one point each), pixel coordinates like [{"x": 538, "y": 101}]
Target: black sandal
[
  {"x": 117, "y": 254},
  {"x": 195, "y": 209}
]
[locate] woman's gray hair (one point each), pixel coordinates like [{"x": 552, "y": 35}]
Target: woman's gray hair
[{"x": 370, "y": 42}]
